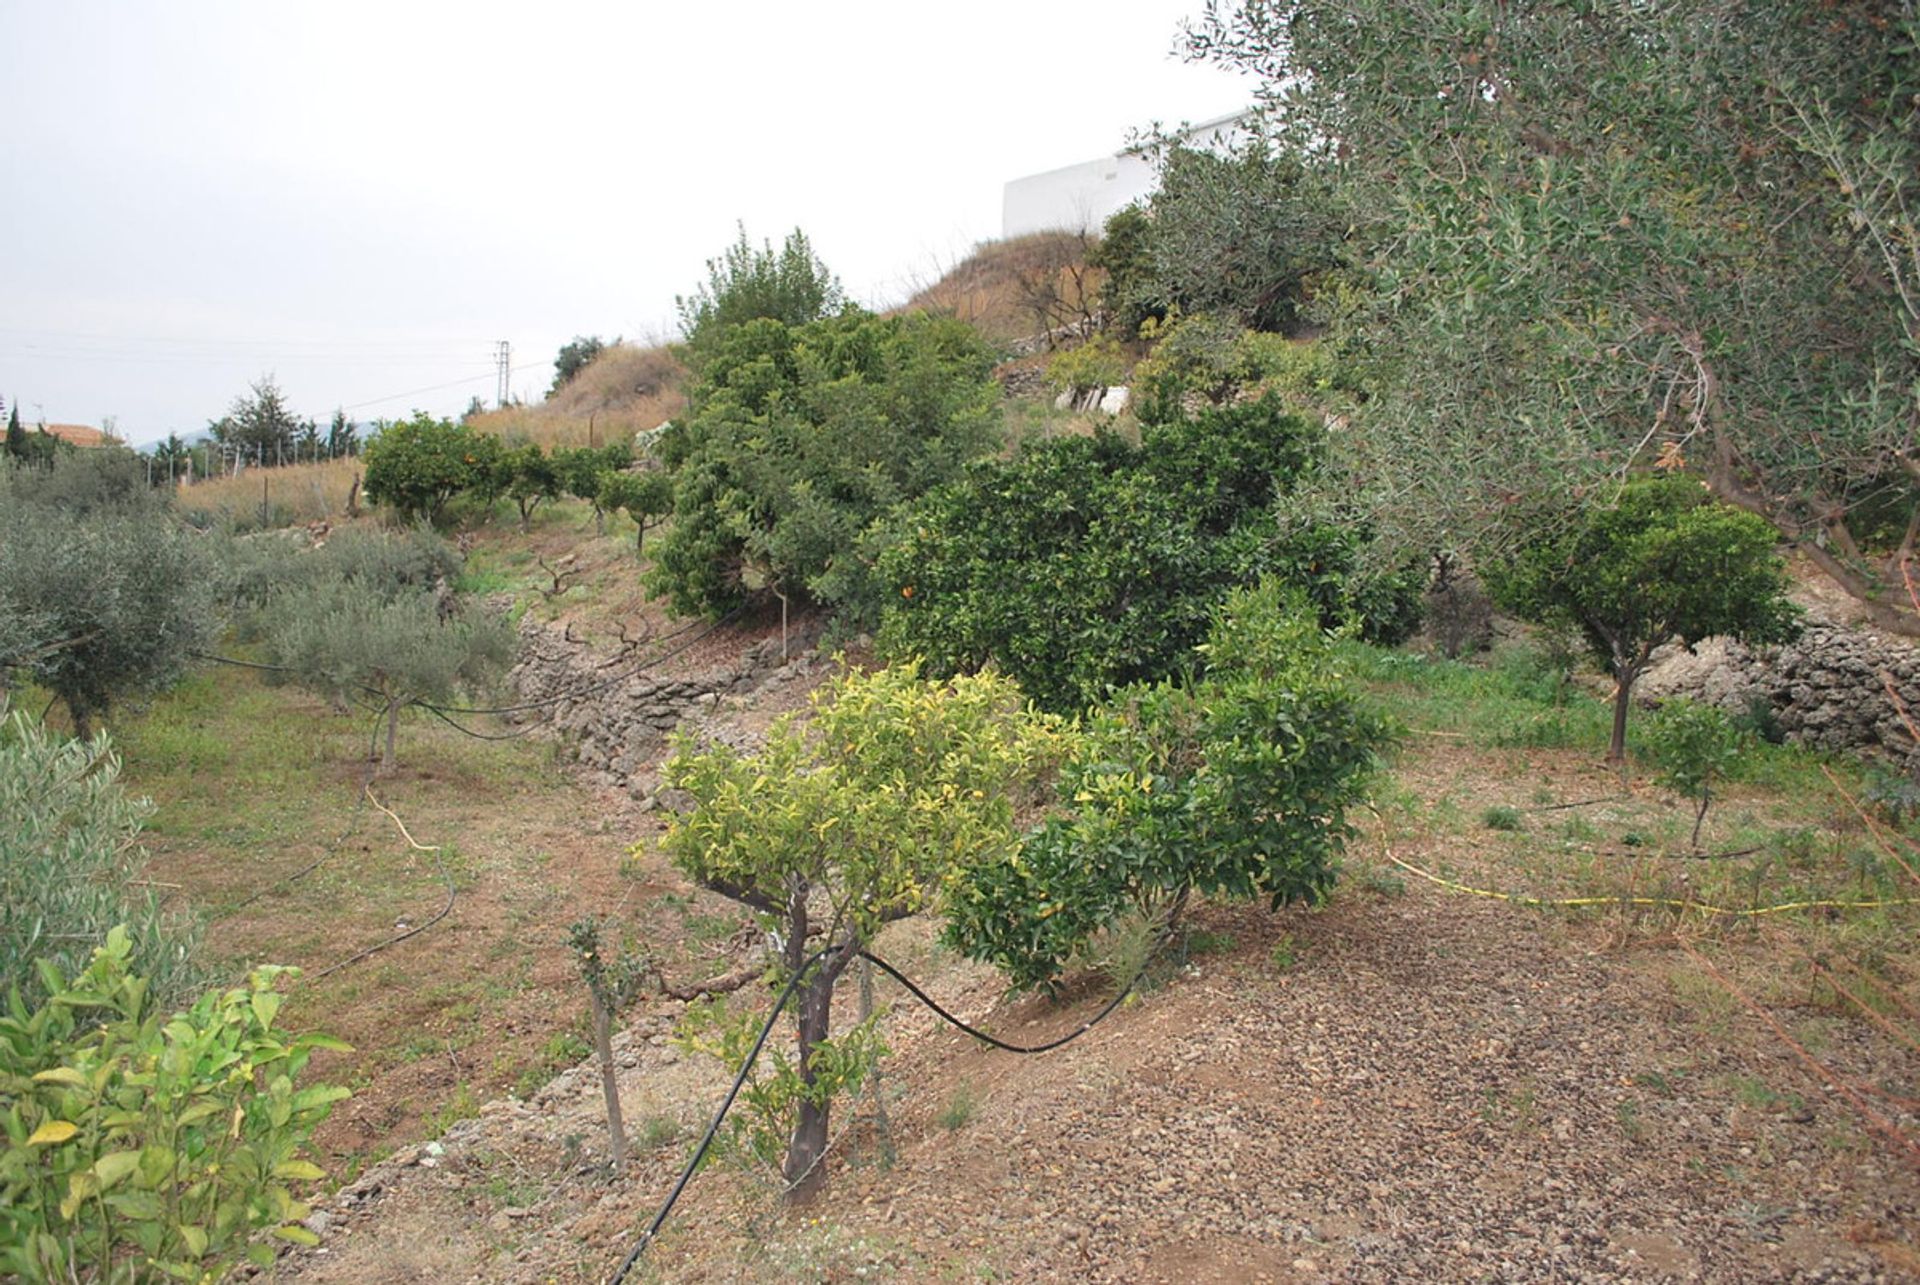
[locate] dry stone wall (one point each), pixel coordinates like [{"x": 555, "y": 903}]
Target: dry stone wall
[
  {"x": 617, "y": 727},
  {"x": 1829, "y": 688}
]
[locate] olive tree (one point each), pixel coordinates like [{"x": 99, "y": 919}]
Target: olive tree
[
  {"x": 105, "y": 603},
  {"x": 841, "y": 824},
  {"x": 1588, "y": 236},
  {"x": 342, "y": 641},
  {"x": 1663, "y": 562},
  {"x": 69, "y": 865}
]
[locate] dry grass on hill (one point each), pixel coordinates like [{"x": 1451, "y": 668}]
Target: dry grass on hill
[
  {"x": 622, "y": 391},
  {"x": 1016, "y": 288},
  {"x": 295, "y": 493}
]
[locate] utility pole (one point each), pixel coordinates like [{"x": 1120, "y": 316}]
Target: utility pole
[{"x": 502, "y": 358}]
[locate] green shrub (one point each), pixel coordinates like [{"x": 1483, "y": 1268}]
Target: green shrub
[
  {"x": 1502, "y": 817},
  {"x": 790, "y": 285},
  {"x": 1236, "y": 786},
  {"x": 1087, "y": 563},
  {"x": 1097, "y": 363},
  {"x": 79, "y": 482},
  {"x": 803, "y": 437},
  {"x": 141, "y": 1147},
  {"x": 1693, "y": 745},
  {"x": 1130, "y": 295},
  {"x": 68, "y": 863},
  {"x": 419, "y": 464},
  {"x": 1211, "y": 358}
]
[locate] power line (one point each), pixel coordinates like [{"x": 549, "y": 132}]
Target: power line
[{"x": 433, "y": 388}]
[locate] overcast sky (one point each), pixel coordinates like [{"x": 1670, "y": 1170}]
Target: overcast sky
[{"x": 361, "y": 199}]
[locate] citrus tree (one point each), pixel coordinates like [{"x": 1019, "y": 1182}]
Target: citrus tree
[
  {"x": 842, "y": 823},
  {"x": 1236, "y": 785},
  {"x": 1664, "y": 561},
  {"x": 419, "y": 464}
]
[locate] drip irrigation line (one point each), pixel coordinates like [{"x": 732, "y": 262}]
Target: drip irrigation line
[
  {"x": 397, "y": 938},
  {"x": 995, "y": 1041},
  {"x": 660, "y": 1218},
  {"x": 713, "y": 1128},
  {"x": 353, "y": 823},
  {"x": 464, "y": 730}
]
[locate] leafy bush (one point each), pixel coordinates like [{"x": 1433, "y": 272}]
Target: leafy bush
[
  {"x": 1097, "y": 363},
  {"x": 419, "y": 464},
  {"x": 803, "y": 437},
  {"x": 1130, "y": 294},
  {"x": 140, "y": 1147},
  {"x": 790, "y": 285},
  {"x": 1693, "y": 745},
  {"x": 80, "y": 482},
  {"x": 1663, "y": 561},
  {"x": 1088, "y": 563},
  {"x": 68, "y": 865},
  {"x": 1234, "y": 786},
  {"x": 1209, "y": 358}
]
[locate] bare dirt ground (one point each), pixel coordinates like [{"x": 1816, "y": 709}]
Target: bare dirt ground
[{"x": 1404, "y": 1085}]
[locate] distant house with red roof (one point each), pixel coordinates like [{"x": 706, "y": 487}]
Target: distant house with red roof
[{"x": 77, "y": 434}]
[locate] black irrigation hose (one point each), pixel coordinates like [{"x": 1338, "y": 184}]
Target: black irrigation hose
[
  {"x": 397, "y": 938},
  {"x": 700, "y": 1153},
  {"x": 1001, "y": 1044},
  {"x": 353, "y": 823},
  {"x": 713, "y": 1128}
]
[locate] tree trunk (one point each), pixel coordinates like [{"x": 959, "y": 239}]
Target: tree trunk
[
  {"x": 82, "y": 719},
  {"x": 803, "y": 1170},
  {"x": 1706, "y": 796},
  {"x": 1622, "y": 700},
  {"x": 609, "y": 1084},
  {"x": 393, "y": 724}
]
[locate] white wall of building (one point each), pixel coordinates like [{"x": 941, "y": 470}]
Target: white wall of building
[{"x": 1080, "y": 198}]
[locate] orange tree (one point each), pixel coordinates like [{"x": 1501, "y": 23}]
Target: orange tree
[
  {"x": 1664, "y": 561},
  {"x": 844, "y": 822}
]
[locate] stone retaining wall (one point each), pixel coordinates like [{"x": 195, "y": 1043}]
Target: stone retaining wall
[
  {"x": 1827, "y": 689},
  {"x": 617, "y": 728}
]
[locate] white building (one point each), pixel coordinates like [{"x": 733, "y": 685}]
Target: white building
[{"x": 1080, "y": 198}]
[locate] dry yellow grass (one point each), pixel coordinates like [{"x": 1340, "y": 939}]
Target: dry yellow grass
[
  {"x": 294, "y": 493},
  {"x": 622, "y": 391},
  {"x": 1013, "y": 289}
]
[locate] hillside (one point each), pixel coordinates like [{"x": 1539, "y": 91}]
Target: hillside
[
  {"x": 1413, "y": 1082},
  {"x": 1407, "y": 1084},
  {"x": 625, "y": 389},
  {"x": 1552, "y": 1023}
]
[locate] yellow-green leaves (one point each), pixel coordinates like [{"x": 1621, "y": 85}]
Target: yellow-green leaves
[
  {"x": 129, "y": 1138},
  {"x": 52, "y": 1133}
]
